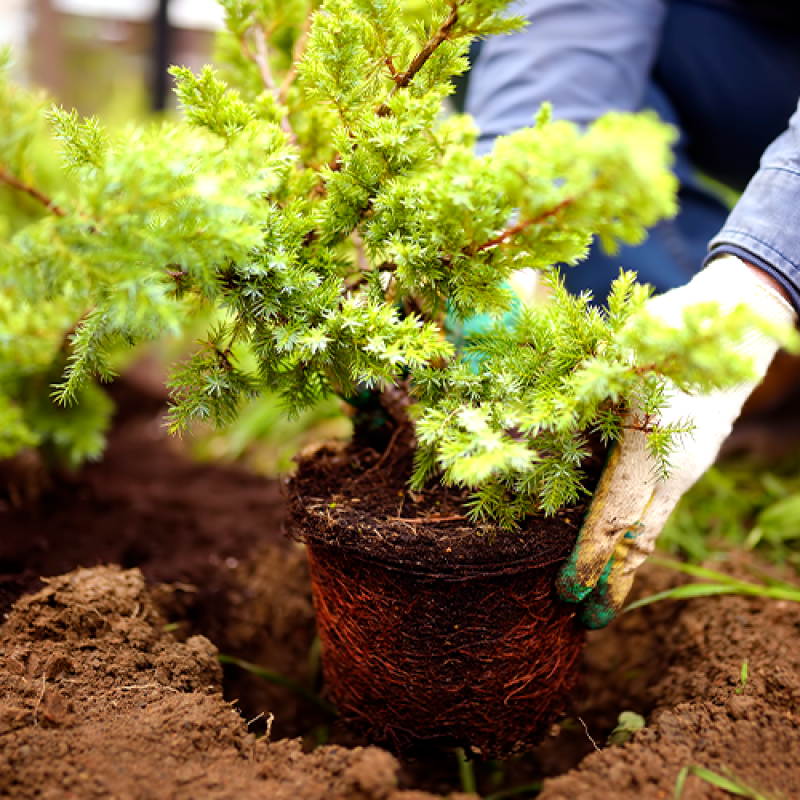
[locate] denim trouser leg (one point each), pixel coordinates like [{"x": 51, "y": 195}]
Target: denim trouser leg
[{"x": 729, "y": 83}]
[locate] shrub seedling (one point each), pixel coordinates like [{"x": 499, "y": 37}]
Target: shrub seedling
[{"x": 334, "y": 221}]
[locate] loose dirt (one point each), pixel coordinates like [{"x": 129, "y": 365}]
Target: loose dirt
[{"x": 97, "y": 699}]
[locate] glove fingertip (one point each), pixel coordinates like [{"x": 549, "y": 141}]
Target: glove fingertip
[
  {"x": 597, "y": 615},
  {"x": 568, "y": 586}
]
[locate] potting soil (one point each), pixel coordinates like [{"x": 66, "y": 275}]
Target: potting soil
[{"x": 434, "y": 630}]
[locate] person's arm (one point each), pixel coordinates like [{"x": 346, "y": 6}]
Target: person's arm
[
  {"x": 586, "y": 57},
  {"x": 755, "y": 260},
  {"x": 764, "y": 227}
]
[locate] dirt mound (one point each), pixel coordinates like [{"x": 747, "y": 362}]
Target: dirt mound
[
  {"x": 213, "y": 532},
  {"x": 96, "y": 698},
  {"x": 705, "y": 713},
  {"x": 99, "y": 700}
]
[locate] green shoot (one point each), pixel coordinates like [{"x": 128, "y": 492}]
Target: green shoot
[
  {"x": 628, "y": 724},
  {"x": 743, "y": 674},
  {"x": 727, "y": 782},
  {"x": 516, "y": 791},
  {"x": 466, "y": 772},
  {"x": 716, "y": 583}
]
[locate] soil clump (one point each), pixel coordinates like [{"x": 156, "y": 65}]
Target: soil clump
[{"x": 99, "y": 700}]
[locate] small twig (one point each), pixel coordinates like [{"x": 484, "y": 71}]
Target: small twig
[
  {"x": 297, "y": 54},
  {"x": 261, "y": 59},
  {"x": 379, "y": 463},
  {"x": 403, "y": 79},
  {"x": 140, "y": 686},
  {"x": 31, "y": 191},
  {"x": 39, "y": 700},
  {"x": 432, "y": 520},
  {"x": 361, "y": 255},
  {"x": 513, "y": 230},
  {"x": 589, "y": 735}
]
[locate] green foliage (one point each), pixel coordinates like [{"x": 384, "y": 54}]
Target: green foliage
[
  {"x": 629, "y": 723},
  {"x": 739, "y": 503},
  {"x": 727, "y": 782},
  {"x": 318, "y": 203},
  {"x": 517, "y": 431}
]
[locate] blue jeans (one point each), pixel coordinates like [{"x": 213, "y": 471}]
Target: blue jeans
[{"x": 729, "y": 84}]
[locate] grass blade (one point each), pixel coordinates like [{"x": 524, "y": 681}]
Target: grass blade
[
  {"x": 720, "y": 584},
  {"x": 728, "y": 783},
  {"x": 279, "y": 680}
]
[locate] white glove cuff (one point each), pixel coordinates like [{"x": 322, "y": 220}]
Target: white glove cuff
[
  {"x": 743, "y": 285},
  {"x": 730, "y": 282}
]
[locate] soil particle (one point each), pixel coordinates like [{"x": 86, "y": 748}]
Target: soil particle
[{"x": 98, "y": 700}]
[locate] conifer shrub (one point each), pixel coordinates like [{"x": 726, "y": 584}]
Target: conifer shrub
[{"x": 315, "y": 197}]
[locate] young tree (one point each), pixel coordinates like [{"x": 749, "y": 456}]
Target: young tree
[{"x": 335, "y": 218}]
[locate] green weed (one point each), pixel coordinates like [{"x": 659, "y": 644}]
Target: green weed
[
  {"x": 728, "y": 782},
  {"x": 715, "y": 583}
]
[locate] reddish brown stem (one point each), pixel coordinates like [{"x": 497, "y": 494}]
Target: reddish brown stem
[
  {"x": 297, "y": 54},
  {"x": 403, "y": 79},
  {"x": 31, "y": 191},
  {"x": 432, "y": 520},
  {"x": 522, "y": 225},
  {"x": 261, "y": 59}
]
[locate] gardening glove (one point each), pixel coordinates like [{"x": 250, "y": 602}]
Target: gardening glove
[{"x": 631, "y": 504}]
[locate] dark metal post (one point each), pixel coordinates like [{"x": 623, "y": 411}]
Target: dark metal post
[{"x": 162, "y": 41}]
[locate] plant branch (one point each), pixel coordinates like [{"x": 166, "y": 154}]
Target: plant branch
[
  {"x": 297, "y": 54},
  {"x": 403, "y": 79},
  {"x": 31, "y": 191},
  {"x": 261, "y": 59},
  {"x": 522, "y": 225}
]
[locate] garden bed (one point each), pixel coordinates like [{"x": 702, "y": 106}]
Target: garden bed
[{"x": 99, "y": 699}]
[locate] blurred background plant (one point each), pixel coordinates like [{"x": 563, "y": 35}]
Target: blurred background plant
[
  {"x": 110, "y": 60},
  {"x": 744, "y": 503}
]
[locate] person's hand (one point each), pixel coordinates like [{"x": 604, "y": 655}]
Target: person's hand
[{"x": 631, "y": 505}]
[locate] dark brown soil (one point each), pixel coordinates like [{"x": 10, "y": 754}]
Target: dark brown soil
[
  {"x": 212, "y": 535},
  {"x": 357, "y": 499},
  {"x": 98, "y": 699},
  {"x": 704, "y": 715}
]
